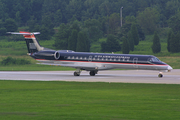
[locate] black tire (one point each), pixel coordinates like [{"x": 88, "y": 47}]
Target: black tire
[
  {"x": 76, "y": 74},
  {"x": 92, "y": 73},
  {"x": 160, "y": 75}
]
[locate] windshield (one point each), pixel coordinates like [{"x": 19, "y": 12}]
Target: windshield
[{"x": 154, "y": 59}]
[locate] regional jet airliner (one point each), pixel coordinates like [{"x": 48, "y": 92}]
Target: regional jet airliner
[{"x": 92, "y": 62}]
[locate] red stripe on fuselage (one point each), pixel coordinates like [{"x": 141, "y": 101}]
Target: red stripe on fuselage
[{"x": 102, "y": 62}]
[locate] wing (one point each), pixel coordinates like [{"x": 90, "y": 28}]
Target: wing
[{"x": 84, "y": 67}]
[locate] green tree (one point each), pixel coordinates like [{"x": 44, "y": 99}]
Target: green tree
[
  {"x": 125, "y": 46},
  {"x": 124, "y": 30},
  {"x": 168, "y": 40},
  {"x": 10, "y": 25},
  {"x": 103, "y": 24},
  {"x": 178, "y": 41},
  {"x": 2, "y": 10},
  {"x": 82, "y": 42},
  {"x": 131, "y": 41},
  {"x": 114, "y": 23},
  {"x": 171, "y": 8},
  {"x": 174, "y": 43},
  {"x": 2, "y": 29},
  {"x": 58, "y": 17},
  {"x": 72, "y": 41},
  {"x": 47, "y": 22},
  {"x": 44, "y": 33},
  {"x": 156, "y": 47},
  {"x": 32, "y": 23},
  {"x": 93, "y": 28},
  {"x": 141, "y": 33},
  {"x": 111, "y": 44},
  {"x": 130, "y": 19},
  {"x": 104, "y": 46},
  {"x": 76, "y": 26},
  {"x": 61, "y": 37},
  {"x": 18, "y": 17},
  {"x": 105, "y": 8},
  {"x": 174, "y": 23},
  {"x": 148, "y": 20},
  {"x": 135, "y": 35}
]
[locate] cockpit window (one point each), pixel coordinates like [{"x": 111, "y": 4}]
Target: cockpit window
[{"x": 154, "y": 59}]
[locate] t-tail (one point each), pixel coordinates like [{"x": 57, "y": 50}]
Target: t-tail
[{"x": 31, "y": 42}]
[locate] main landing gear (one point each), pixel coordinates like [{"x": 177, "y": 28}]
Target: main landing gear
[
  {"x": 91, "y": 73},
  {"x": 160, "y": 75}
]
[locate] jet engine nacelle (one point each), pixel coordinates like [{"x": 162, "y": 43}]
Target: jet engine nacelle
[
  {"x": 56, "y": 55},
  {"x": 49, "y": 55}
]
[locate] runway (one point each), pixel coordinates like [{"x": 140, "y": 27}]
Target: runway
[{"x": 116, "y": 76}]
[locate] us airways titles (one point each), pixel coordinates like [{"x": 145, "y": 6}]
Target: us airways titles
[{"x": 124, "y": 58}]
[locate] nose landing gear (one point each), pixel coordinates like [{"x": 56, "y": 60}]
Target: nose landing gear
[
  {"x": 77, "y": 72},
  {"x": 160, "y": 75}
]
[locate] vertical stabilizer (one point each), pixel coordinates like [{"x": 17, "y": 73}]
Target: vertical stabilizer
[{"x": 31, "y": 42}]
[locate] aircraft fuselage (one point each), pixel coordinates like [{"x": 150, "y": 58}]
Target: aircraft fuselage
[{"x": 100, "y": 61}]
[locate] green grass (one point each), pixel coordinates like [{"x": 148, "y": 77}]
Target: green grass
[{"x": 91, "y": 101}]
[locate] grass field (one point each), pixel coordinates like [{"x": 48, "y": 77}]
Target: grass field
[{"x": 23, "y": 100}]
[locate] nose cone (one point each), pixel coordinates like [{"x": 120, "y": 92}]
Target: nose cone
[{"x": 169, "y": 68}]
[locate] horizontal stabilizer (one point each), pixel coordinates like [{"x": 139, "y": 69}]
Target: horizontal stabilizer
[{"x": 24, "y": 33}]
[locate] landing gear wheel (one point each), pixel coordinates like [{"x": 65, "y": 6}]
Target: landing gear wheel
[
  {"x": 92, "y": 73},
  {"x": 76, "y": 74},
  {"x": 160, "y": 75}
]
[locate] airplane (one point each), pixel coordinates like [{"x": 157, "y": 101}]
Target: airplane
[{"x": 92, "y": 62}]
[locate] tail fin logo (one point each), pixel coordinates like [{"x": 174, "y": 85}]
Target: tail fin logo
[{"x": 32, "y": 46}]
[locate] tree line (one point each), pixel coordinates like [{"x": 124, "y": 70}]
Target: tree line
[{"x": 71, "y": 21}]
